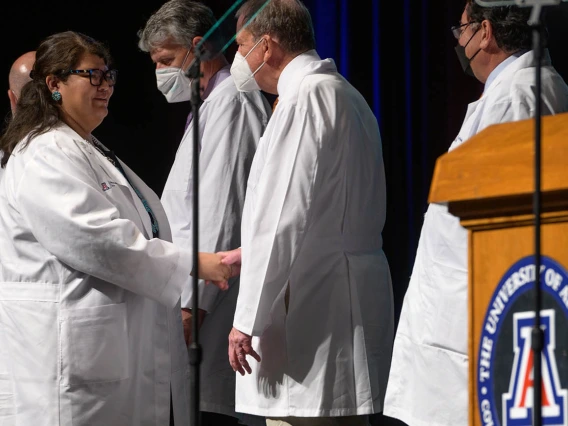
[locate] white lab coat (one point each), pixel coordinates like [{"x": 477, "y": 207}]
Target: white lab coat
[
  {"x": 231, "y": 124},
  {"x": 89, "y": 304},
  {"x": 428, "y": 382},
  {"x": 314, "y": 212}
]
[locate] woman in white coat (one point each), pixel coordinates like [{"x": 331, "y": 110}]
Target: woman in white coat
[{"x": 89, "y": 284}]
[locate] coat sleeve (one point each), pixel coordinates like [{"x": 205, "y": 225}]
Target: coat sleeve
[
  {"x": 229, "y": 142},
  {"x": 280, "y": 215},
  {"x": 58, "y": 197}
]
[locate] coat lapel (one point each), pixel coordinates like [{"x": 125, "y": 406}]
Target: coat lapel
[
  {"x": 115, "y": 175},
  {"x": 154, "y": 203}
]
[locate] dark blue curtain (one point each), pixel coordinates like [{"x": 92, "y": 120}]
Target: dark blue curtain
[{"x": 399, "y": 55}]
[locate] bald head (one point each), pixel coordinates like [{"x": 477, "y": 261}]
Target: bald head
[
  {"x": 20, "y": 72},
  {"x": 19, "y": 76}
]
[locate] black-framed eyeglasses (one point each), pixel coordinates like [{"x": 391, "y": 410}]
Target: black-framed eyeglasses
[
  {"x": 96, "y": 76},
  {"x": 457, "y": 30}
]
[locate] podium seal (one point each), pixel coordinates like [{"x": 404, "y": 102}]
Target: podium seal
[{"x": 504, "y": 376}]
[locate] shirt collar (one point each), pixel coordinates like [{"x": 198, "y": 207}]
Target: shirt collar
[
  {"x": 217, "y": 79},
  {"x": 499, "y": 68},
  {"x": 299, "y": 62}
]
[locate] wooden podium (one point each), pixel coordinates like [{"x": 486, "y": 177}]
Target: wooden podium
[{"x": 488, "y": 183}]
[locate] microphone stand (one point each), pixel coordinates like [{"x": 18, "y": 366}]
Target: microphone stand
[
  {"x": 195, "y": 352},
  {"x": 537, "y": 334}
]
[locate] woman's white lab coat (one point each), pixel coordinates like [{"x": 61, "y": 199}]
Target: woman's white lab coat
[
  {"x": 89, "y": 304},
  {"x": 429, "y": 372}
]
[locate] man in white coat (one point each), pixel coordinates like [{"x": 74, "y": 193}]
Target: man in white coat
[
  {"x": 19, "y": 75},
  {"x": 315, "y": 305},
  {"x": 428, "y": 382},
  {"x": 230, "y": 123}
]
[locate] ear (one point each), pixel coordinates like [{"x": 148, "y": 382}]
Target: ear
[
  {"x": 196, "y": 41},
  {"x": 486, "y": 31},
  {"x": 52, "y": 83},
  {"x": 268, "y": 47},
  {"x": 204, "y": 47},
  {"x": 13, "y": 100}
]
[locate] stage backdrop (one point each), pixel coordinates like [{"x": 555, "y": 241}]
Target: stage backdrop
[{"x": 399, "y": 54}]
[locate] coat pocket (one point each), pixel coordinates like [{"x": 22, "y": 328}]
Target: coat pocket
[{"x": 94, "y": 344}]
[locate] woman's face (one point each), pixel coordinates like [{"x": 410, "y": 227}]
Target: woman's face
[{"x": 81, "y": 102}]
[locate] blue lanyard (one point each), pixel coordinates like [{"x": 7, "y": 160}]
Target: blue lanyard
[{"x": 114, "y": 160}]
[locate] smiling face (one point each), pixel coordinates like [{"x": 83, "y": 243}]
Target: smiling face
[{"x": 82, "y": 103}]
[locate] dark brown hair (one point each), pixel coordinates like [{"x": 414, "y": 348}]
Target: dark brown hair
[
  {"x": 36, "y": 111},
  {"x": 510, "y": 24}
]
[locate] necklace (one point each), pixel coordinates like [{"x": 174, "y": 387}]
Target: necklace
[{"x": 104, "y": 154}]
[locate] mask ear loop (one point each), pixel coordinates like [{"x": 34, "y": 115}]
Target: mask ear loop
[
  {"x": 254, "y": 47},
  {"x": 183, "y": 63},
  {"x": 263, "y": 63},
  {"x": 185, "y": 58}
]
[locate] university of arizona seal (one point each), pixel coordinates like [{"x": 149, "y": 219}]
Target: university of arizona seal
[{"x": 504, "y": 377}]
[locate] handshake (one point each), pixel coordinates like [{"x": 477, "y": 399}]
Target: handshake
[{"x": 217, "y": 268}]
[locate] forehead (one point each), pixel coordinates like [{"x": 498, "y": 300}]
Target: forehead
[
  {"x": 167, "y": 50},
  {"x": 89, "y": 60},
  {"x": 464, "y": 18},
  {"x": 244, "y": 37}
]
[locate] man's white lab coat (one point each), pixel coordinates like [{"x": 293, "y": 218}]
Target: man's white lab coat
[
  {"x": 314, "y": 212},
  {"x": 231, "y": 124},
  {"x": 428, "y": 382}
]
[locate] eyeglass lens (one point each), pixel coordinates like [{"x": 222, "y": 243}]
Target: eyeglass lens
[{"x": 98, "y": 75}]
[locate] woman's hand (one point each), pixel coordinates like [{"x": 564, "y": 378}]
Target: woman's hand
[{"x": 211, "y": 269}]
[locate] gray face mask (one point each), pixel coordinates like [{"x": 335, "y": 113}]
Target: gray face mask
[
  {"x": 465, "y": 62},
  {"x": 174, "y": 84}
]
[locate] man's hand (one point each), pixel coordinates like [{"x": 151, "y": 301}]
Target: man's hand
[
  {"x": 187, "y": 322},
  {"x": 232, "y": 259},
  {"x": 240, "y": 345},
  {"x": 212, "y": 270}
]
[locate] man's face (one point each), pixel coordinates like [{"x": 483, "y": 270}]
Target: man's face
[
  {"x": 171, "y": 54},
  {"x": 469, "y": 30},
  {"x": 246, "y": 43}
]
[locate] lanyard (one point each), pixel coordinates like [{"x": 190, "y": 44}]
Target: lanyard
[{"x": 110, "y": 156}]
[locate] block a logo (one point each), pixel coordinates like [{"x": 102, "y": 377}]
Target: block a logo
[
  {"x": 518, "y": 401},
  {"x": 505, "y": 382}
]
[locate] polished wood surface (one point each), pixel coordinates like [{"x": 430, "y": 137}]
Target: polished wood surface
[
  {"x": 488, "y": 182},
  {"x": 493, "y": 250},
  {"x": 499, "y": 162}
]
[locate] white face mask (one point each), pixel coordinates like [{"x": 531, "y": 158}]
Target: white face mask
[
  {"x": 242, "y": 74},
  {"x": 174, "y": 84}
]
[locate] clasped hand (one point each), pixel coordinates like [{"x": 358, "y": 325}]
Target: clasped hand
[{"x": 217, "y": 268}]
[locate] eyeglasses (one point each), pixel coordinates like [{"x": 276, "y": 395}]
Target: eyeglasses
[
  {"x": 457, "y": 29},
  {"x": 96, "y": 76}
]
